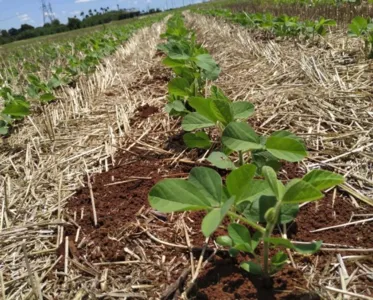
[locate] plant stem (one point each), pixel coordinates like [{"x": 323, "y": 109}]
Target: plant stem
[
  {"x": 241, "y": 158},
  {"x": 248, "y": 222},
  {"x": 267, "y": 234}
]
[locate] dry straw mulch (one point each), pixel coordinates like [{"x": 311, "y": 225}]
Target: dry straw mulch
[
  {"x": 321, "y": 92},
  {"x": 46, "y": 160}
]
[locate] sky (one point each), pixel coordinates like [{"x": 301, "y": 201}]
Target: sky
[{"x": 13, "y": 13}]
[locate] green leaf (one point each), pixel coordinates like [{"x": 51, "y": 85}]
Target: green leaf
[
  {"x": 170, "y": 195},
  {"x": 208, "y": 64},
  {"x": 239, "y": 181},
  {"x": 177, "y": 106},
  {"x": 239, "y": 234},
  {"x": 262, "y": 158},
  {"x": 252, "y": 267},
  {"x": 208, "y": 182},
  {"x": 222, "y": 111},
  {"x": 195, "y": 121},
  {"x": 286, "y": 148},
  {"x": 4, "y": 130},
  {"x": 17, "y": 108},
  {"x": 242, "y": 109},
  {"x": 298, "y": 191},
  {"x": 203, "y": 107},
  {"x": 197, "y": 140},
  {"x": 48, "y": 97},
  {"x": 224, "y": 240},
  {"x": 217, "y": 93},
  {"x": 240, "y": 137},
  {"x": 323, "y": 180},
  {"x": 278, "y": 261},
  {"x": 309, "y": 248},
  {"x": 169, "y": 62},
  {"x": 213, "y": 219},
  {"x": 179, "y": 87},
  {"x": 221, "y": 161},
  {"x": 276, "y": 185}
]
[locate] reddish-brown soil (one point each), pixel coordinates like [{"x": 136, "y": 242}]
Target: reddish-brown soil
[{"x": 121, "y": 199}]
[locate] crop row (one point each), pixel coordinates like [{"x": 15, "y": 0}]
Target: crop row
[
  {"x": 30, "y": 76},
  {"x": 252, "y": 196},
  {"x": 284, "y": 25},
  {"x": 280, "y": 26}
]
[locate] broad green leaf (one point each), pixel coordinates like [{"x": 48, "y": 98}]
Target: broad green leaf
[
  {"x": 195, "y": 121},
  {"x": 208, "y": 182},
  {"x": 242, "y": 109},
  {"x": 48, "y": 97},
  {"x": 258, "y": 188},
  {"x": 299, "y": 191},
  {"x": 323, "y": 180},
  {"x": 213, "y": 219},
  {"x": 239, "y": 181},
  {"x": 239, "y": 234},
  {"x": 217, "y": 93},
  {"x": 197, "y": 140},
  {"x": 179, "y": 87},
  {"x": 287, "y": 134},
  {"x": 207, "y": 63},
  {"x": 222, "y": 111},
  {"x": 169, "y": 62},
  {"x": 176, "y": 105},
  {"x": 276, "y": 185},
  {"x": 252, "y": 267},
  {"x": 301, "y": 248},
  {"x": 221, "y": 161},
  {"x": 17, "y": 108},
  {"x": 240, "y": 137},
  {"x": 286, "y": 148},
  {"x": 203, "y": 107},
  {"x": 170, "y": 195},
  {"x": 224, "y": 240}
]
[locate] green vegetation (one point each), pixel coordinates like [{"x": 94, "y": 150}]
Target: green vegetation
[
  {"x": 280, "y": 26},
  {"x": 252, "y": 193},
  {"x": 363, "y": 28},
  {"x": 32, "y": 81}
]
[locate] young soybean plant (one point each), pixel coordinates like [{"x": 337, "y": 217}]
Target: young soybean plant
[{"x": 246, "y": 201}]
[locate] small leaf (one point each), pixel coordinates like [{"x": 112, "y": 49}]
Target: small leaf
[
  {"x": 179, "y": 87},
  {"x": 195, "y": 121},
  {"x": 323, "y": 180},
  {"x": 252, "y": 267},
  {"x": 170, "y": 195},
  {"x": 239, "y": 181},
  {"x": 242, "y": 109},
  {"x": 176, "y": 105},
  {"x": 208, "y": 182},
  {"x": 224, "y": 240},
  {"x": 298, "y": 191},
  {"x": 208, "y": 64},
  {"x": 4, "y": 130},
  {"x": 309, "y": 248},
  {"x": 222, "y": 111},
  {"x": 47, "y": 97},
  {"x": 278, "y": 261},
  {"x": 240, "y": 137},
  {"x": 17, "y": 108},
  {"x": 203, "y": 107},
  {"x": 213, "y": 219},
  {"x": 239, "y": 234},
  {"x": 286, "y": 148},
  {"x": 169, "y": 62},
  {"x": 197, "y": 140},
  {"x": 221, "y": 161}
]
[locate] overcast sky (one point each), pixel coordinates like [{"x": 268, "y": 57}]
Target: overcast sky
[{"x": 13, "y": 13}]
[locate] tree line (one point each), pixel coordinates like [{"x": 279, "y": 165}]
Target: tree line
[{"x": 91, "y": 18}]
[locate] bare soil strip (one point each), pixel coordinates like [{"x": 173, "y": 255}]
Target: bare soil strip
[{"x": 43, "y": 164}]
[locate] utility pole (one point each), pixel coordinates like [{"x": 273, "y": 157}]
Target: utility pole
[{"x": 47, "y": 11}]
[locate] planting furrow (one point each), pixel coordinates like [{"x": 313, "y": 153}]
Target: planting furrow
[{"x": 43, "y": 164}]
